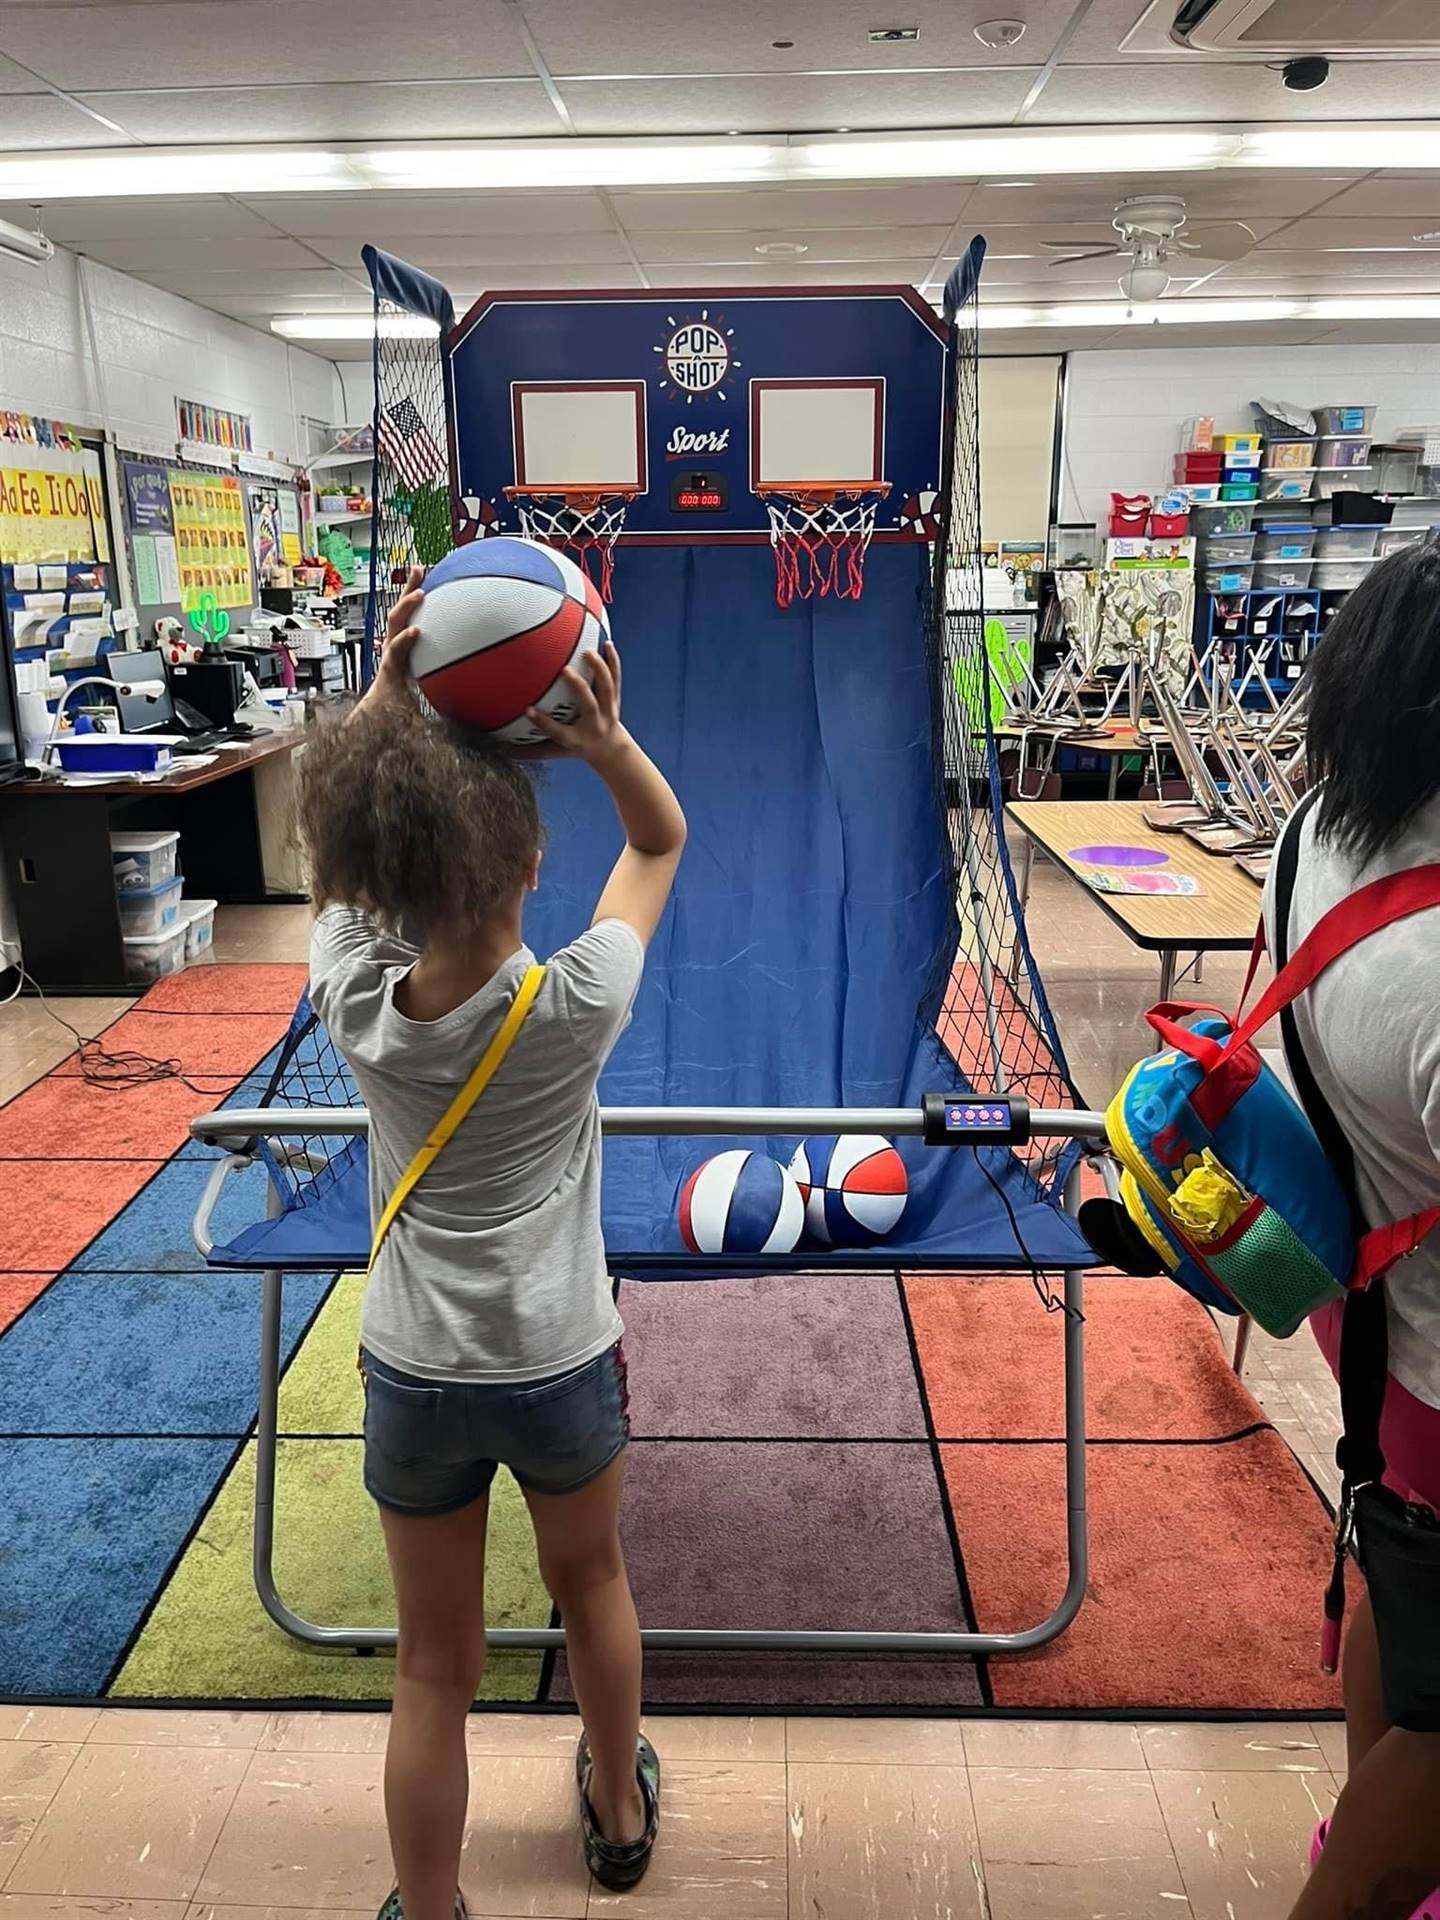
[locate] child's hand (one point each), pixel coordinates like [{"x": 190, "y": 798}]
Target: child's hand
[
  {"x": 595, "y": 733},
  {"x": 392, "y": 680}
]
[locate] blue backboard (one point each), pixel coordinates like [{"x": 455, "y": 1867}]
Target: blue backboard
[{"x": 693, "y": 402}]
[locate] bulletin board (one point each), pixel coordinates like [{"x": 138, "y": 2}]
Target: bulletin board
[
  {"x": 56, "y": 569},
  {"x": 197, "y": 530}
]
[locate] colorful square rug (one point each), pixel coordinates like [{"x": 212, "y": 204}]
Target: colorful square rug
[{"x": 829, "y": 1452}]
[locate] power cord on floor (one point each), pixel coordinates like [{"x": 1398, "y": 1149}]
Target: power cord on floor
[
  {"x": 99, "y": 1067},
  {"x": 1045, "y": 1293}
]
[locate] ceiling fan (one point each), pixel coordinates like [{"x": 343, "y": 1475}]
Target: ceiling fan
[{"x": 1153, "y": 240}]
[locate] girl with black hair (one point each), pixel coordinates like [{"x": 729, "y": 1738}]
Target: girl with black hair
[{"x": 1370, "y": 1032}]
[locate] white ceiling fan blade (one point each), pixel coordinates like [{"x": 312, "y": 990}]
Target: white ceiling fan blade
[
  {"x": 1227, "y": 240},
  {"x": 1079, "y": 253}
]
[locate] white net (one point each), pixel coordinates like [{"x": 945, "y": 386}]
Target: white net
[
  {"x": 586, "y": 525},
  {"x": 820, "y": 539}
]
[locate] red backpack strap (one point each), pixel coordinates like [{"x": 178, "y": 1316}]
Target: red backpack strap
[
  {"x": 1383, "y": 1246},
  {"x": 1395, "y": 897}
]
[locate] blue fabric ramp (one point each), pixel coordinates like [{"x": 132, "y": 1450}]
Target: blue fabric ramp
[{"x": 800, "y": 961}]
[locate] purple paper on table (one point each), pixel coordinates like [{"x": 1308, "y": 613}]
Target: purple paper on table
[{"x": 1118, "y": 856}]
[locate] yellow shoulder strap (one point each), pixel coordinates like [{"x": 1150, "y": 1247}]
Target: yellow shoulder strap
[{"x": 489, "y": 1066}]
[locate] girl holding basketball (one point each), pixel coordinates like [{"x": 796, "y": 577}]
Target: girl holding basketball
[{"x": 489, "y": 1333}]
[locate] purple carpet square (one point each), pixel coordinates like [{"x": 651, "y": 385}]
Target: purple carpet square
[
  {"x": 801, "y": 1535},
  {"x": 807, "y": 1357}
]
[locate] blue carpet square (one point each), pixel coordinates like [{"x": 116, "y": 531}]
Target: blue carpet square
[
  {"x": 91, "y": 1527},
  {"x": 144, "y": 1353},
  {"x": 153, "y": 1234}
]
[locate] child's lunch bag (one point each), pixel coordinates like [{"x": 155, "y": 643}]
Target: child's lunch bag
[{"x": 1225, "y": 1183}]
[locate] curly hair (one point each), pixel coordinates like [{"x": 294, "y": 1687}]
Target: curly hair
[{"x": 412, "y": 820}]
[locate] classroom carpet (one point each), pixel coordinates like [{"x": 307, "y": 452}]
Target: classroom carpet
[{"x": 816, "y": 1451}]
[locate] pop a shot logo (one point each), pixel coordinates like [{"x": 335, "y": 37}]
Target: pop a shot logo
[{"x": 697, "y": 356}]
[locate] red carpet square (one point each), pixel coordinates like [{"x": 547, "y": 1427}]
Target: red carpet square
[
  {"x": 47, "y": 1219},
  {"x": 227, "y": 1044},
  {"x": 809, "y": 1356},
  {"x": 993, "y": 1358},
  {"x": 813, "y": 1535},
  {"x": 17, "y": 1290},
  {"x": 221, "y": 988},
  {"x": 1207, "y": 1567},
  {"x": 67, "y": 1119}
]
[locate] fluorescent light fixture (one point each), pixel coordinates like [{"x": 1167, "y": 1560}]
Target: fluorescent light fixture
[
  {"x": 353, "y": 326},
  {"x": 1200, "y": 313},
  {"x": 33, "y": 248},
  {"x": 1010, "y": 157}
]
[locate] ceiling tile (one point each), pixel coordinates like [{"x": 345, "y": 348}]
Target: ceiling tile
[
  {"x": 352, "y": 110},
  {"x": 443, "y": 256},
  {"x": 83, "y": 223},
  {"x": 1324, "y": 231},
  {"x": 1194, "y": 90},
  {"x": 279, "y": 287},
  {"x": 1211, "y": 196},
  {"x": 1391, "y": 196},
  {"x": 739, "y": 38},
  {"x": 868, "y": 273},
  {"x": 795, "y": 103},
  {"x": 824, "y": 248},
  {"x": 365, "y": 216},
  {"x": 15, "y": 79},
  {"x": 1370, "y": 269},
  {"x": 729, "y": 209},
  {"x": 32, "y": 121},
  {"x": 180, "y": 252},
  {"x": 190, "y": 42}
]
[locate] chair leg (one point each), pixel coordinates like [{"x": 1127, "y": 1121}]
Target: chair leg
[{"x": 1242, "y": 1342}]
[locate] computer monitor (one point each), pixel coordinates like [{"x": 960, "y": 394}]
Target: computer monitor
[{"x": 149, "y": 707}]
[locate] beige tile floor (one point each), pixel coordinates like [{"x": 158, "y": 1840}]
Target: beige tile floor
[{"x": 149, "y": 1815}]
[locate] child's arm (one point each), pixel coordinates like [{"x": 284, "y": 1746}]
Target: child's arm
[{"x": 641, "y": 879}]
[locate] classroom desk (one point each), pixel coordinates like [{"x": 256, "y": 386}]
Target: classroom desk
[
  {"x": 56, "y": 840},
  {"x": 1219, "y": 920}
]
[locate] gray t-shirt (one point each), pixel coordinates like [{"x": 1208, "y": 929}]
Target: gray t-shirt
[
  {"x": 1370, "y": 1029},
  {"x": 494, "y": 1270}
]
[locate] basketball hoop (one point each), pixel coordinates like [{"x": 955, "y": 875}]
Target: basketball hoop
[
  {"x": 820, "y": 532},
  {"x": 585, "y": 521}
]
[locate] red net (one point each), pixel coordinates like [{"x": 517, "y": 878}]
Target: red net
[
  {"x": 820, "y": 535},
  {"x": 580, "y": 521}
]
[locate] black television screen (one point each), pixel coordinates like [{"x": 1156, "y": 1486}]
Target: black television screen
[{"x": 12, "y": 752}]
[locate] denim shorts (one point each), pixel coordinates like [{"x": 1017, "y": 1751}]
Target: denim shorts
[{"x": 432, "y": 1446}]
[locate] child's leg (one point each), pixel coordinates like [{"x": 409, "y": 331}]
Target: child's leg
[
  {"x": 438, "y": 1566},
  {"x": 578, "y": 1538}
]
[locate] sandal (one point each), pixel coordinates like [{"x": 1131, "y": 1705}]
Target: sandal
[
  {"x": 391, "y": 1909},
  {"x": 1427, "y": 1910},
  {"x": 619, "y": 1865}
]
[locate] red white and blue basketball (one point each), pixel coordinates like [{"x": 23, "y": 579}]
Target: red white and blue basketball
[
  {"x": 854, "y": 1189},
  {"x": 500, "y": 622},
  {"x": 741, "y": 1202}
]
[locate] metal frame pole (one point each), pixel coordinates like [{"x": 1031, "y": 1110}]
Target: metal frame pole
[{"x": 662, "y": 1639}]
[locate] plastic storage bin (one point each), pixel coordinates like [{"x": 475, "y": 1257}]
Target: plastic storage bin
[
  {"x": 1335, "y": 575},
  {"x": 143, "y": 860},
  {"x": 1347, "y": 543},
  {"x": 1228, "y": 517},
  {"x": 1246, "y": 489},
  {"x": 1199, "y": 466},
  {"x": 1279, "y": 485},
  {"x": 112, "y": 753},
  {"x": 1345, "y": 419},
  {"x": 1289, "y": 454},
  {"x": 150, "y": 956},
  {"x": 1204, "y": 493},
  {"x": 1285, "y": 543},
  {"x": 1229, "y": 549},
  {"x": 1284, "y": 573},
  {"x": 1129, "y": 514},
  {"x": 1343, "y": 452},
  {"x": 1240, "y": 449},
  {"x": 1229, "y": 579},
  {"x": 198, "y": 919},
  {"x": 1394, "y": 469},
  {"x": 1397, "y": 539},
  {"x": 150, "y": 910}
]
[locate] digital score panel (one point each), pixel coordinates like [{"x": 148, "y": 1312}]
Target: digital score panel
[{"x": 692, "y": 492}]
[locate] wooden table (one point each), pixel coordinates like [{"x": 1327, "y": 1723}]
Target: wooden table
[
  {"x": 1219, "y": 920},
  {"x": 56, "y": 837}
]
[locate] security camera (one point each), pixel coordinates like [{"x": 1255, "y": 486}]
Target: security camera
[{"x": 1303, "y": 76}]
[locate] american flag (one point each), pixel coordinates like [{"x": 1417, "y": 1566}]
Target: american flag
[{"x": 406, "y": 443}]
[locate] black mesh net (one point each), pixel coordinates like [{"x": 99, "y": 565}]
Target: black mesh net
[
  {"x": 413, "y": 523},
  {"x": 994, "y": 1019},
  {"x": 308, "y": 1073}
]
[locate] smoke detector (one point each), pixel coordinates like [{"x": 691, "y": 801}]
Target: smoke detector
[{"x": 1000, "y": 34}]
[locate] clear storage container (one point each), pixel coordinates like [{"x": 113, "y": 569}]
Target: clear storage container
[
  {"x": 1350, "y": 419},
  {"x": 1344, "y": 453},
  {"x": 149, "y": 910},
  {"x": 1229, "y": 579},
  {"x": 143, "y": 860},
  {"x": 1285, "y": 543},
  {"x": 1284, "y": 573},
  {"x": 150, "y": 956},
  {"x": 1338, "y": 575},
  {"x": 1289, "y": 454},
  {"x": 1279, "y": 485},
  {"x": 198, "y": 918},
  {"x": 1229, "y": 549},
  {"x": 1228, "y": 517},
  {"x": 1347, "y": 543}
]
